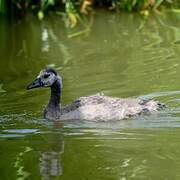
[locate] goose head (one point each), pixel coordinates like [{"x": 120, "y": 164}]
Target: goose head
[
  {"x": 49, "y": 78},
  {"x": 46, "y": 78}
]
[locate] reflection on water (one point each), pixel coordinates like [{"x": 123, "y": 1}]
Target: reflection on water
[
  {"x": 78, "y": 150},
  {"x": 49, "y": 165},
  {"x": 45, "y": 43},
  {"x": 50, "y": 159},
  {"x": 121, "y": 56}
]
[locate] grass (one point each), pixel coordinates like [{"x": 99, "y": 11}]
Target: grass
[{"x": 75, "y": 10}]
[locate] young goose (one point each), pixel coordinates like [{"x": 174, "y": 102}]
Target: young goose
[{"x": 93, "y": 108}]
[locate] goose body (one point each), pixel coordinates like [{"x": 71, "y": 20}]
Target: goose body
[
  {"x": 92, "y": 108},
  {"x": 104, "y": 108}
]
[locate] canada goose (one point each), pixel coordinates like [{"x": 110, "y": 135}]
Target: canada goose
[{"x": 93, "y": 108}]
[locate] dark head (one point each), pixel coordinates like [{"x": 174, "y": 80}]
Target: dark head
[{"x": 46, "y": 78}]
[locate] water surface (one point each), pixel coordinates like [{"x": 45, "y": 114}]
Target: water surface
[{"x": 119, "y": 55}]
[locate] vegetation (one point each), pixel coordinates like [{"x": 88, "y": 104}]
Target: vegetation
[{"x": 74, "y": 10}]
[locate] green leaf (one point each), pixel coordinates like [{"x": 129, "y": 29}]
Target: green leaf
[
  {"x": 51, "y": 2},
  {"x": 40, "y": 15},
  {"x": 134, "y": 2}
]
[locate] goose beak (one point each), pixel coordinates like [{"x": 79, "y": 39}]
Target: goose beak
[{"x": 35, "y": 84}]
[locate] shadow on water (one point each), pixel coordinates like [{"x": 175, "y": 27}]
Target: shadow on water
[{"x": 121, "y": 56}]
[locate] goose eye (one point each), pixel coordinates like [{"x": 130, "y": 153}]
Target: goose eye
[{"x": 46, "y": 76}]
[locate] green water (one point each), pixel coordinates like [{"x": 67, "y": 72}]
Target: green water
[{"x": 120, "y": 55}]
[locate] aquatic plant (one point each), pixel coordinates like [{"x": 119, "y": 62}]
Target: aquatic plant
[{"x": 74, "y": 10}]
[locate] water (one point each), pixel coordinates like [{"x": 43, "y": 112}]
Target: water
[{"x": 120, "y": 55}]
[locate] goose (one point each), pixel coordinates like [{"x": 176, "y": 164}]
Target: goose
[{"x": 91, "y": 108}]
